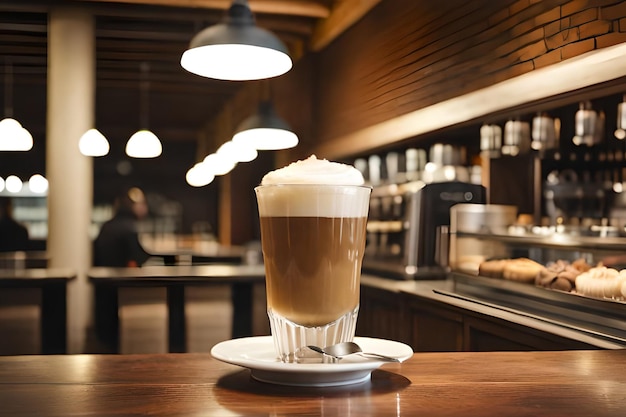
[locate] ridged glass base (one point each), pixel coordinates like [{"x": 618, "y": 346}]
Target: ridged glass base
[{"x": 290, "y": 339}]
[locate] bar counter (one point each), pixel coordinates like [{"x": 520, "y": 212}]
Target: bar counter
[{"x": 566, "y": 383}]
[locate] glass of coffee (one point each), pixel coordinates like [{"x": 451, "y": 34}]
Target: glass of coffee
[{"x": 313, "y": 217}]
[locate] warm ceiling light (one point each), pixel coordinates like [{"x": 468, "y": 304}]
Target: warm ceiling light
[
  {"x": 93, "y": 143},
  {"x": 236, "y": 49},
  {"x": 265, "y": 130},
  {"x": 219, "y": 165},
  {"x": 143, "y": 144},
  {"x": 38, "y": 184},
  {"x": 620, "y": 131},
  {"x": 237, "y": 152},
  {"x": 13, "y": 137},
  {"x": 13, "y": 184},
  {"x": 199, "y": 175}
]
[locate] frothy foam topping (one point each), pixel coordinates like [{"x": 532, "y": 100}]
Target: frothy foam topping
[
  {"x": 314, "y": 188},
  {"x": 314, "y": 171}
]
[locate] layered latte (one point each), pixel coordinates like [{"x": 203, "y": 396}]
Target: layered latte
[{"x": 313, "y": 216}]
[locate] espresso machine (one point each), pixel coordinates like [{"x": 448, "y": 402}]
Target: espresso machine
[{"x": 407, "y": 220}]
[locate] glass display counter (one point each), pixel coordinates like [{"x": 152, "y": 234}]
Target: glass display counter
[{"x": 602, "y": 254}]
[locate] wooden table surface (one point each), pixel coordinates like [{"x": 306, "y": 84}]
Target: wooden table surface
[
  {"x": 157, "y": 275},
  {"x": 511, "y": 384},
  {"x": 35, "y": 277}
]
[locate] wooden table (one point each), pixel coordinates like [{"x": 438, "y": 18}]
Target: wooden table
[
  {"x": 53, "y": 285},
  {"x": 107, "y": 281},
  {"x": 183, "y": 251},
  {"x": 23, "y": 259},
  {"x": 477, "y": 384}
]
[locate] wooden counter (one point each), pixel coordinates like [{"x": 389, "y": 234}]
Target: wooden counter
[
  {"x": 478, "y": 384},
  {"x": 426, "y": 307}
]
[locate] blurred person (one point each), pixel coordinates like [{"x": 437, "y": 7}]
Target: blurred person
[
  {"x": 13, "y": 235},
  {"x": 117, "y": 244}
]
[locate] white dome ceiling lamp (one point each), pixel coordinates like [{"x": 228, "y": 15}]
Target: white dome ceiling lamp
[
  {"x": 93, "y": 143},
  {"x": 199, "y": 175},
  {"x": 237, "y": 152},
  {"x": 38, "y": 184},
  {"x": 144, "y": 143},
  {"x": 13, "y": 136},
  {"x": 219, "y": 165},
  {"x": 13, "y": 184},
  {"x": 236, "y": 49}
]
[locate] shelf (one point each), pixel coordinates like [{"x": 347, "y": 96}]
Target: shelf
[
  {"x": 574, "y": 74},
  {"x": 554, "y": 240}
]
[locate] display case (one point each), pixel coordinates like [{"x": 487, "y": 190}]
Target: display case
[{"x": 600, "y": 252}]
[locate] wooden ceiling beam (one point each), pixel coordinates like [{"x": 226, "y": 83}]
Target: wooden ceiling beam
[
  {"x": 344, "y": 15},
  {"x": 308, "y": 8},
  {"x": 143, "y": 35}
]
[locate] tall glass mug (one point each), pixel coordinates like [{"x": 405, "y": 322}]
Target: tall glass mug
[{"x": 313, "y": 238}]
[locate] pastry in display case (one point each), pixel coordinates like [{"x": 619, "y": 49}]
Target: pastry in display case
[{"x": 562, "y": 275}]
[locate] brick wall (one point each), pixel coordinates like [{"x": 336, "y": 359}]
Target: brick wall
[{"x": 406, "y": 54}]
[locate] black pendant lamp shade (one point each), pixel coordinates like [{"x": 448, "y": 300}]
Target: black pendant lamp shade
[
  {"x": 265, "y": 130},
  {"x": 236, "y": 49}
]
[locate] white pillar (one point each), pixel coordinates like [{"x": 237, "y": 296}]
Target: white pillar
[{"x": 70, "y": 112}]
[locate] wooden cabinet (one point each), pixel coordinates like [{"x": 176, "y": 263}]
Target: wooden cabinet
[
  {"x": 429, "y": 325},
  {"x": 482, "y": 334},
  {"x": 381, "y": 315},
  {"x": 432, "y": 327}
]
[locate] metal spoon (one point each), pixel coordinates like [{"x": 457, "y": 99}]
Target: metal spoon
[
  {"x": 340, "y": 350},
  {"x": 326, "y": 358}
]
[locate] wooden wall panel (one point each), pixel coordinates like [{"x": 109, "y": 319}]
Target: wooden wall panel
[{"x": 406, "y": 55}]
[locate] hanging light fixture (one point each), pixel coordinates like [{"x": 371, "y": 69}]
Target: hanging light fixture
[
  {"x": 93, "y": 143},
  {"x": 199, "y": 175},
  {"x": 144, "y": 143},
  {"x": 38, "y": 184},
  {"x": 265, "y": 130},
  {"x": 218, "y": 165},
  {"x": 236, "y": 49},
  {"x": 237, "y": 152},
  {"x": 620, "y": 131},
  {"x": 13, "y": 184},
  {"x": 13, "y": 137}
]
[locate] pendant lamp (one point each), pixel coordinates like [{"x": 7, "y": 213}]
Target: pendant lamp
[
  {"x": 236, "y": 49},
  {"x": 144, "y": 143},
  {"x": 93, "y": 143},
  {"x": 199, "y": 175},
  {"x": 620, "y": 131},
  {"x": 265, "y": 130},
  {"x": 13, "y": 184},
  {"x": 237, "y": 152},
  {"x": 13, "y": 137}
]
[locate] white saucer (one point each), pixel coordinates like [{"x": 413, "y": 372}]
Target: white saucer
[{"x": 257, "y": 354}]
